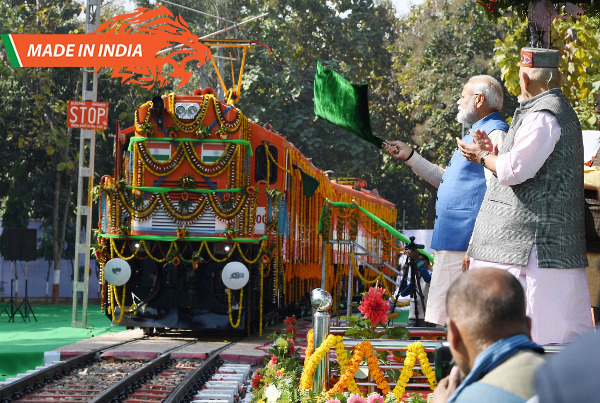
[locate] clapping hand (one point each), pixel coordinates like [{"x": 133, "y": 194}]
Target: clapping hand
[{"x": 481, "y": 145}]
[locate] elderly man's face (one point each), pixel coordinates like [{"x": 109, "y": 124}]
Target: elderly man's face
[{"x": 467, "y": 113}]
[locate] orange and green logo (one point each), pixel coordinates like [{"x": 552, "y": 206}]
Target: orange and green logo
[{"x": 137, "y": 46}]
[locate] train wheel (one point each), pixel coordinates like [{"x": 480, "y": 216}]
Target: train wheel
[{"x": 148, "y": 331}]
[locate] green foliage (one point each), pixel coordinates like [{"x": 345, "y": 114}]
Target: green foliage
[
  {"x": 361, "y": 328},
  {"x": 521, "y": 8},
  {"x": 579, "y": 44}
]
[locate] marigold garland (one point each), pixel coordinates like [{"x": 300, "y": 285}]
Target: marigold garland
[
  {"x": 239, "y": 309},
  {"x": 350, "y": 367},
  {"x": 310, "y": 339},
  {"x": 306, "y": 380},
  {"x": 342, "y": 357},
  {"x": 413, "y": 352}
]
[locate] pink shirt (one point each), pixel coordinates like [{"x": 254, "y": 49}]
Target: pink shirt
[{"x": 534, "y": 142}]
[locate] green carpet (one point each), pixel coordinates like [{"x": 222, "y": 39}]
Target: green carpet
[{"x": 22, "y": 344}]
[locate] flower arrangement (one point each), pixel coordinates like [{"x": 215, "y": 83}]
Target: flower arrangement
[
  {"x": 374, "y": 308},
  {"x": 279, "y": 379},
  {"x": 285, "y": 379}
]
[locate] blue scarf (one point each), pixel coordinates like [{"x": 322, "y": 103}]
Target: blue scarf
[{"x": 493, "y": 356}]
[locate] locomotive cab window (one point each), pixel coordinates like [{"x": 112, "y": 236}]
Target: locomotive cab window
[{"x": 261, "y": 159}]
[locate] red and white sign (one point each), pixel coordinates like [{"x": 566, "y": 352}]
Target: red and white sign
[{"x": 87, "y": 115}]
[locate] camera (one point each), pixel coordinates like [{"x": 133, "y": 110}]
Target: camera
[
  {"x": 443, "y": 361},
  {"x": 414, "y": 246}
]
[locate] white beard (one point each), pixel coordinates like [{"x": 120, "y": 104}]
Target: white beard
[{"x": 468, "y": 115}]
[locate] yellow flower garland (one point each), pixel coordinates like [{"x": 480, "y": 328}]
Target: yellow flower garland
[
  {"x": 342, "y": 357},
  {"x": 425, "y": 365},
  {"x": 310, "y": 339},
  {"x": 413, "y": 352},
  {"x": 239, "y": 310},
  {"x": 350, "y": 367},
  {"x": 306, "y": 380}
]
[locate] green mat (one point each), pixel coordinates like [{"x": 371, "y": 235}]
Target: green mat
[{"x": 22, "y": 344}]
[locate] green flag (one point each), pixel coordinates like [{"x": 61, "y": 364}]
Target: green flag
[
  {"x": 343, "y": 104},
  {"x": 309, "y": 184}
]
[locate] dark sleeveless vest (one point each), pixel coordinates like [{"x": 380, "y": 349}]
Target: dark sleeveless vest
[
  {"x": 460, "y": 194},
  {"x": 546, "y": 211}
]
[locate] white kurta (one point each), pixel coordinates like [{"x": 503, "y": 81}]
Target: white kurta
[{"x": 558, "y": 300}]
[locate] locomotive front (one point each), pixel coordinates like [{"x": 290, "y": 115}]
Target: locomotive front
[{"x": 183, "y": 203}]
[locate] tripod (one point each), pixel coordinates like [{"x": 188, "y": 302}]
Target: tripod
[
  {"x": 25, "y": 303},
  {"x": 11, "y": 304},
  {"x": 415, "y": 291}
]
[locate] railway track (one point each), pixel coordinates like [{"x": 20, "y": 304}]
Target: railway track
[{"x": 90, "y": 378}]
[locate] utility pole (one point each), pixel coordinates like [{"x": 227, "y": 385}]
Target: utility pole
[{"x": 85, "y": 181}]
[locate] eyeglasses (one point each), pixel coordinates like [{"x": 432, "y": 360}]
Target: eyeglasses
[{"x": 463, "y": 96}]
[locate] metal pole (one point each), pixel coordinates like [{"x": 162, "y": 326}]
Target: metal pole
[
  {"x": 324, "y": 265},
  {"x": 349, "y": 290},
  {"x": 87, "y": 151},
  {"x": 321, "y": 302}
]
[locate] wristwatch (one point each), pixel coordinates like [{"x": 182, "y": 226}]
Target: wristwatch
[{"x": 482, "y": 161}]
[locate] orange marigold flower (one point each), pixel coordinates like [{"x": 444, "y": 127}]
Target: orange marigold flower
[{"x": 176, "y": 261}]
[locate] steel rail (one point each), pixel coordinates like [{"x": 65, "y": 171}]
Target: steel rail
[{"x": 44, "y": 375}]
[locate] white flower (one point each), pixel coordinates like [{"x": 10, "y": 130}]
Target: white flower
[{"x": 272, "y": 394}]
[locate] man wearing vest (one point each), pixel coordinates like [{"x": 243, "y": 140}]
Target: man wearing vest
[
  {"x": 461, "y": 187},
  {"x": 531, "y": 222}
]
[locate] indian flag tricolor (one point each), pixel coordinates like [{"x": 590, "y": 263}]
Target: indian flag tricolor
[
  {"x": 11, "y": 51},
  {"x": 211, "y": 152},
  {"x": 160, "y": 150}
]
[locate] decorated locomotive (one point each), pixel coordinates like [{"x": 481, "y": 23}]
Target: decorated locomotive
[{"x": 223, "y": 223}]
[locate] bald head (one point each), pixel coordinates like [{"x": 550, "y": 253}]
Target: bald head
[{"x": 489, "y": 304}]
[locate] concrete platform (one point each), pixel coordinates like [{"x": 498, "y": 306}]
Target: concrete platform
[{"x": 252, "y": 350}]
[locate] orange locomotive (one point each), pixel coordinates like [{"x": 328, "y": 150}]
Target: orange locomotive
[{"x": 198, "y": 186}]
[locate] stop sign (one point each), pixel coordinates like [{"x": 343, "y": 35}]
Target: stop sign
[{"x": 87, "y": 115}]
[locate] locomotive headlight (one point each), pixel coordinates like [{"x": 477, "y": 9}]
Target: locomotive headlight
[
  {"x": 235, "y": 275},
  {"x": 117, "y": 272},
  {"x": 187, "y": 110},
  {"x": 192, "y": 111},
  {"x": 180, "y": 111}
]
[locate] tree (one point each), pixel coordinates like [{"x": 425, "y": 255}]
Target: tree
[
  {"x": 40, "y": 133},
  {"x": 579, "y": 44},
  {"x": 440, "y": 45},
  {"x": 39, "y": 180}
]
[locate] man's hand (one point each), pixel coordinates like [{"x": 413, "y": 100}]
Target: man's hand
[
  {"x": 414, "y": 254},
  {"x": 397, "y": 149},
  {"x": 447, "y": 386},
  {"x": 481, "y": 145},
  {"x": 480, "y": 138}
]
